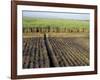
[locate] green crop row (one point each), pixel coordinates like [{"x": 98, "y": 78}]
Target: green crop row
[{"x": 61, "y": 23}]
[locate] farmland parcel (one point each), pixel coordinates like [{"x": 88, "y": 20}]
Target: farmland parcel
[{"x": 55, "y": 42}]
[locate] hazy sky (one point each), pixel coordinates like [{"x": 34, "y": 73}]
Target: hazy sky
[{"x": 56, "y": 15}]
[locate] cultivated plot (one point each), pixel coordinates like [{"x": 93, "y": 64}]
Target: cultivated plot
[{"x": 55, "y": 39}]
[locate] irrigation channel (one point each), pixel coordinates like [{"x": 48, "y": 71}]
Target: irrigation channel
[{"x": 44, "y": 52}]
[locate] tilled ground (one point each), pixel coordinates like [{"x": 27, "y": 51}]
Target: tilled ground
[{"x": 44, "y": 52}]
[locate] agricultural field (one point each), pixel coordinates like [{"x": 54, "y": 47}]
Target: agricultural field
[
  {"x": 39, "y": 52},
  {"x": 54, "y": 25},
  {"x": 61, "y": 23},
  {"x": 55, "y": 43},
  {"x": 34, "y": 53}
]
